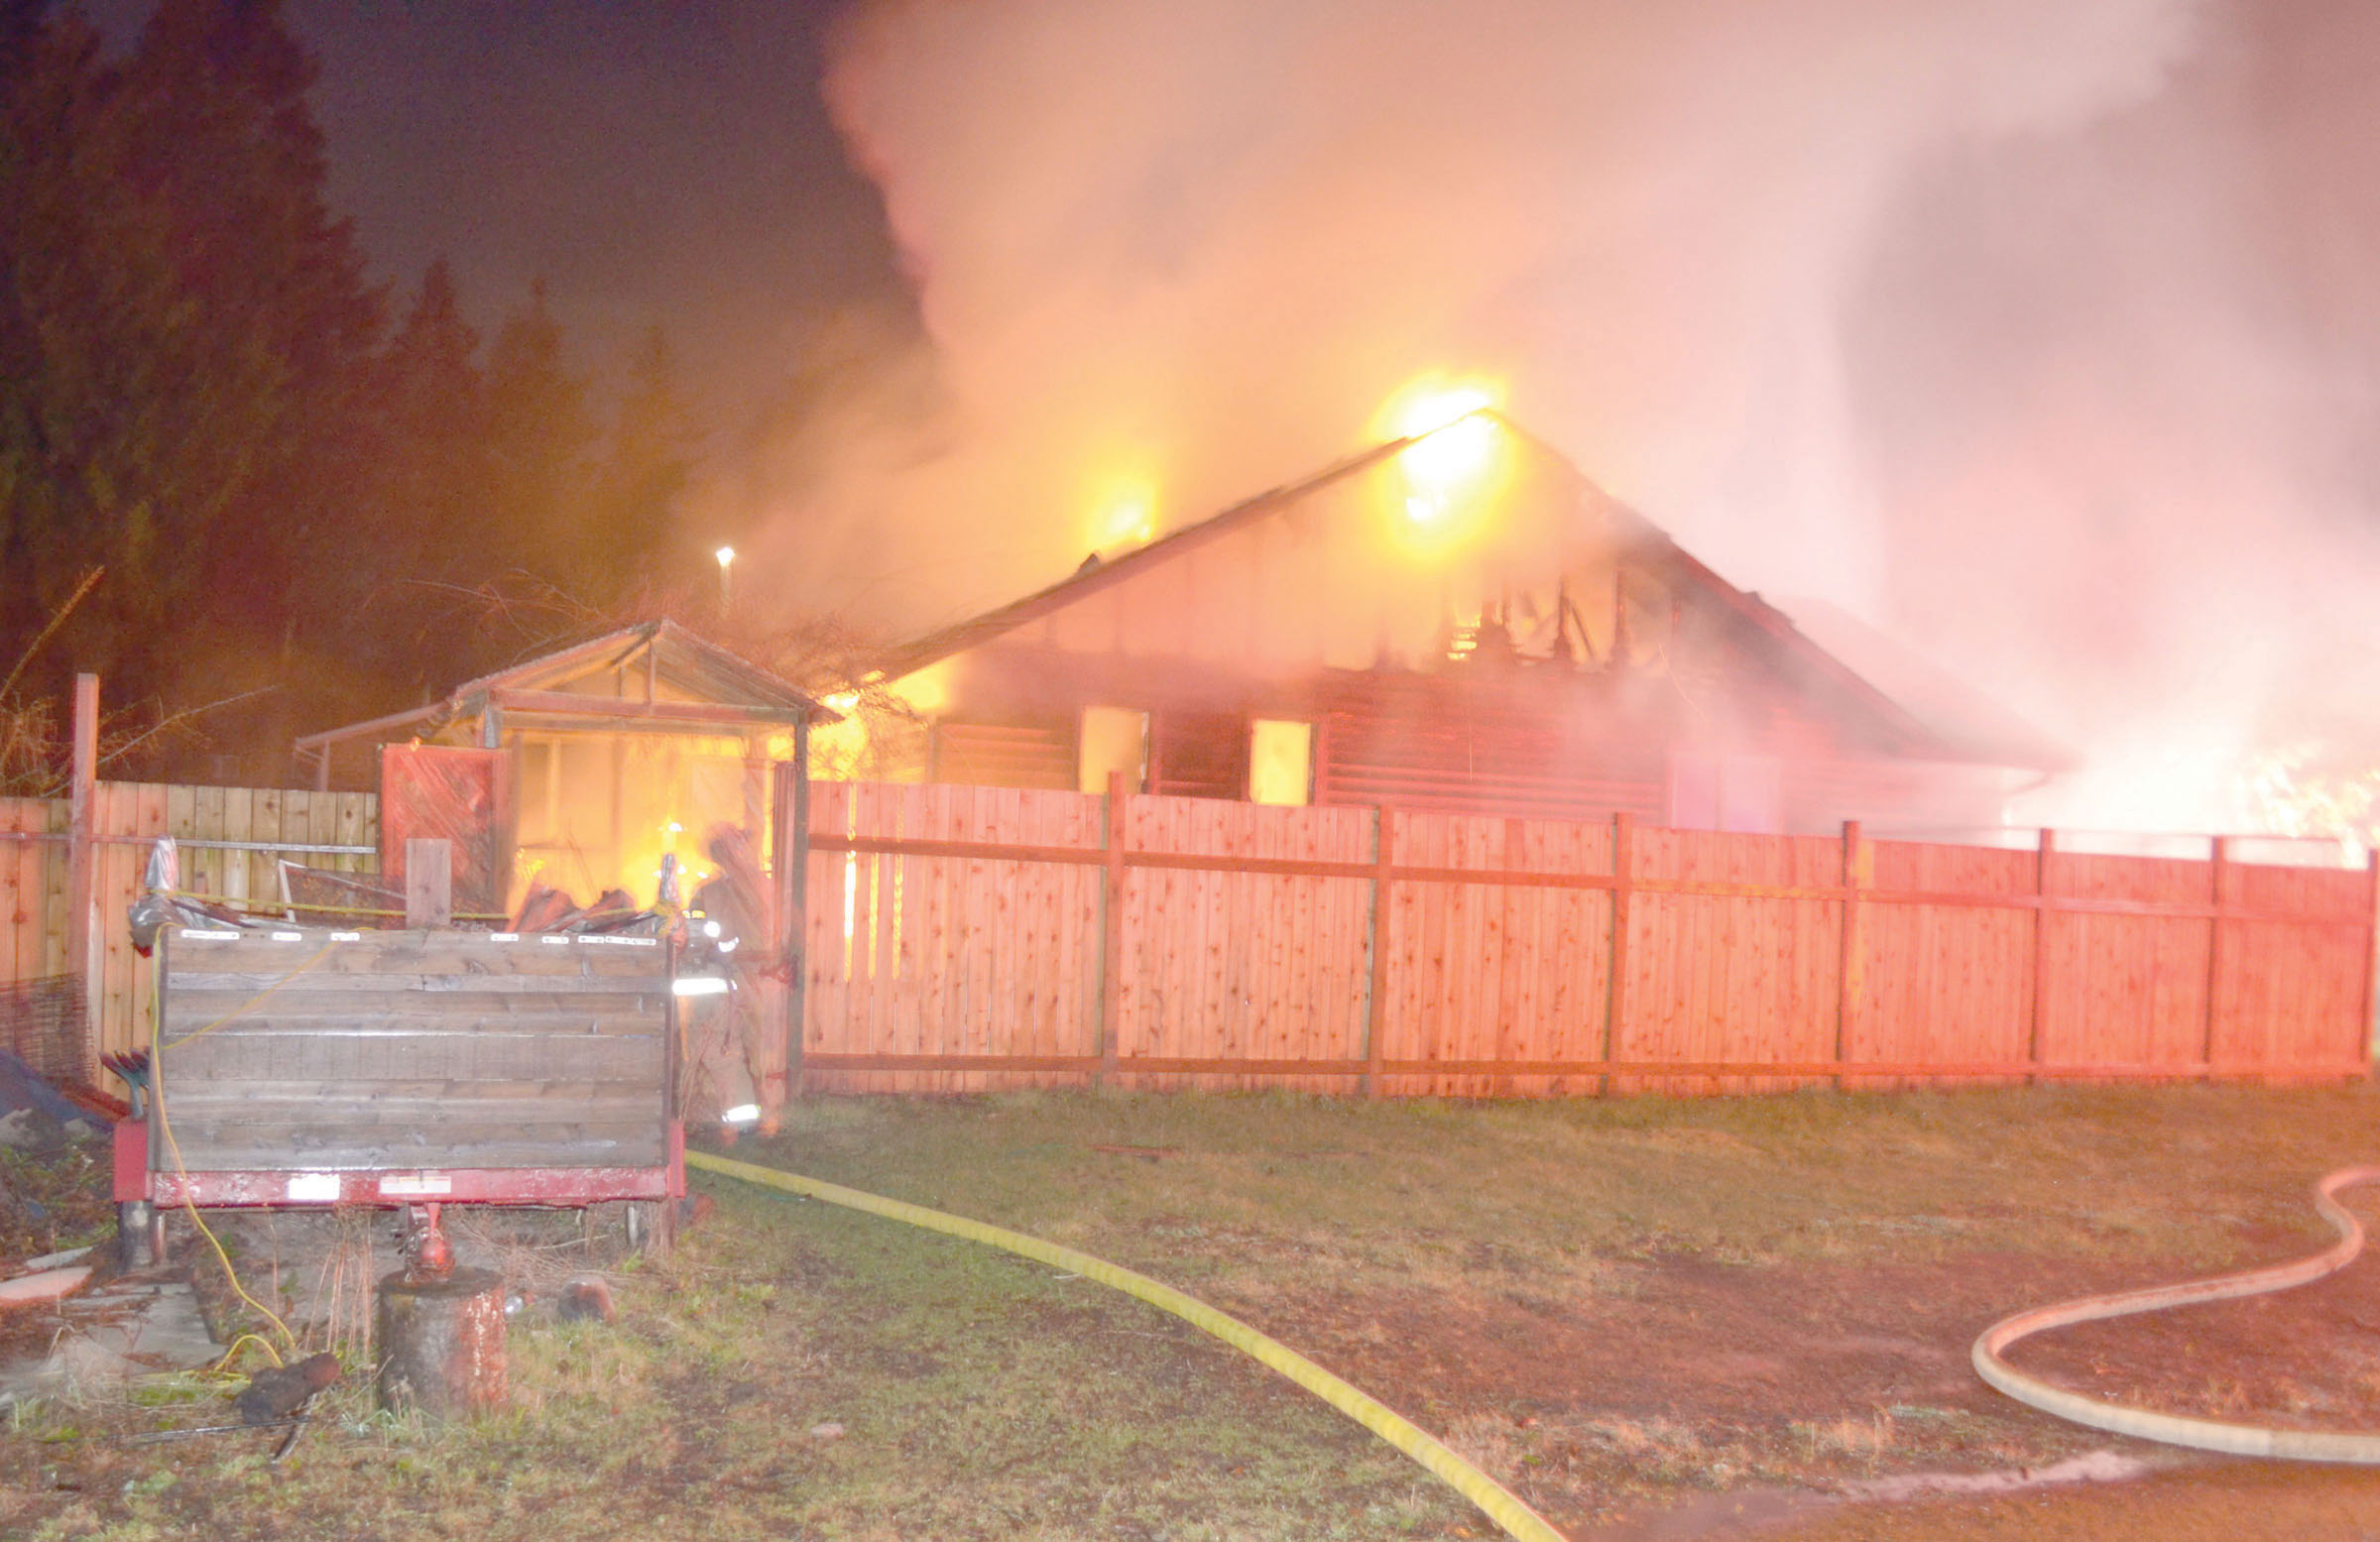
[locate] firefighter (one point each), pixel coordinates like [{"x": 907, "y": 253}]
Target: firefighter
[{"x": 731, "y": 1052}]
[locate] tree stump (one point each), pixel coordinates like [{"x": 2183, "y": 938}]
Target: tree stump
[{"x": 440, "y": 1343}]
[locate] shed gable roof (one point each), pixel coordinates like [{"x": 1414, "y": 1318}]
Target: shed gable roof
[{"x": 718, "y": 689}]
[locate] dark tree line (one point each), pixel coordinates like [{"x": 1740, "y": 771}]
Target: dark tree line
[{"x": 297, "y": 484}]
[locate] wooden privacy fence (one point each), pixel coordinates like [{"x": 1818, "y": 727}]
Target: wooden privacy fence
[
  {"x": 960, "y": 938},
  {"x": 232, "y": 841}
]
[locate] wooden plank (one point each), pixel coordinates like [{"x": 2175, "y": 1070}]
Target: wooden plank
[
  {"x": 2219, "y": 881},
  {"x": 1214, "y": 1015},
  {"x": 402, "y": 1053},
  {"x": 2366, "y": 1001},
  {"x": 1616, "y": 1005},
  {"x": 369, "y": 1110},
  {"x": 827, "y": 994},
  {"x": 326, "y": 991},
  {"x": 117, "y": 809},
  {"x": 82, "y": 793},
  {"x": 1111, "y": 933},
  {"x": 230, "y": 1146},
  {"x": 568, "y": 1029},
  {"x": 2044, "y": 968},
  {"x": 56, "y": 881},
  {"x": 429, "y": 882},
  {"x": 990, "y": 944},
  {"x": 20, "y": 912},
  {"x": 1850, "y": 1001},
  {"x": 1163, "y": 916},
  {"x": 201, "y": 869},
  {"x": 242, "y": 880},
  {"x": 459, "y": 955},
  {"x": 478, "y": 1094}
]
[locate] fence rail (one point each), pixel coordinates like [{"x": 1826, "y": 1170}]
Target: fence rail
[
  {"x": 959, "y": 938},
  {"x": 232, "y": 840}
]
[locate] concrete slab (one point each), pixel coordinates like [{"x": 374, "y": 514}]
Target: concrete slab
[{"x": 116, "y": 1332}]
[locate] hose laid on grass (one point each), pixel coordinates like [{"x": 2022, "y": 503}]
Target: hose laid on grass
[
  {"x": 1494, "y": 1502},
  {"x": 2248, "y": 1440}
]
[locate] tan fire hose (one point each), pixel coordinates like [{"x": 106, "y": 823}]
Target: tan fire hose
[{"x": 2248, "y": 1440}]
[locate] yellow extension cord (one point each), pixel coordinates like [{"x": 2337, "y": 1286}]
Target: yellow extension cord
[
  {"x": 1496, "y": 1502},
  {"x": 2246, "y": 1439},
  {"x": 164, "y": 1127}
]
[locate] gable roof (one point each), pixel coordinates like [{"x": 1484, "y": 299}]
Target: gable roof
[
  {"x": 1645, "y": 541},
  {"x": 1097, "y": 573},
  {"x": 730, "y": 693}
]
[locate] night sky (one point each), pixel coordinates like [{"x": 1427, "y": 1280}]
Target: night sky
[{"x": 665, "y": 164}]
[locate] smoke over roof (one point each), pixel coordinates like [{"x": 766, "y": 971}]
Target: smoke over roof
[{"x": 2038, "y": 332}]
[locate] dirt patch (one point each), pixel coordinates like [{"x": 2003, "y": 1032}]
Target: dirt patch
[
  {"x": 1798, "y": 1381},
  {"x": 1682, "y": 1337},
  {"x": 2302, "y": 1358}
]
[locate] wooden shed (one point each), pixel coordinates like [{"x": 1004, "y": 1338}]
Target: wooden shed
[
  {"x": 587, "y": 764},
  {"x": 1485, "y": 631}
]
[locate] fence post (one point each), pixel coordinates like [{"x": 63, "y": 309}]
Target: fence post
[
  {"x": 1375, "y": 1005},
  {"x": 2220, "y": 881},
  {"x": 2047, "y": 848},
  {"x": 81, "y": 854},
  {"x": 1111, "y": 939},
  {"x": 1850, "y": 977},
  {"x": 1616, "y": 995}
]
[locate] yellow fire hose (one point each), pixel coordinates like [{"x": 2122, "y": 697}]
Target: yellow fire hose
[
  {"x": 2248, "y": 1440},
  {"x": 1496, "y": 1502}
]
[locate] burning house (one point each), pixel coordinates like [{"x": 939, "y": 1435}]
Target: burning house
[{"x": 1454, "y": 619}]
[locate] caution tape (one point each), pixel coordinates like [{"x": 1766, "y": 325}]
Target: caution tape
[{"x": 1494, "y": 1500}]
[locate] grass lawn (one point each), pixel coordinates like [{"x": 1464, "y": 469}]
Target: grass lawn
[{"x": 1609, "y": 1304}]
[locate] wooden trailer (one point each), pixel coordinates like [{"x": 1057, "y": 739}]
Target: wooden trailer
[{"x": 315, "y": 1068}]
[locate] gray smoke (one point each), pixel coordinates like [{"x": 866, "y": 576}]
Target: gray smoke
[{"x": 2037, "y": 332}]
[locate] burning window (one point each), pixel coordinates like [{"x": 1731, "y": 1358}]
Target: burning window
[
  {"x": 1280, "y": 762},
  {"x": 1114, "y": 740},
  {"x": 1198, "y": 754}
]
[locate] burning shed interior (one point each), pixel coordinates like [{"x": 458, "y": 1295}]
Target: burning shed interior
[
  {"x": 622, "y": 749},
  {"x": 1455, "y": 618}
]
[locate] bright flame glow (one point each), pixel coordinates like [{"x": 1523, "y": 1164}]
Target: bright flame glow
[
  {"x": 1128, "y": 513},
  {"x": 1454, "y": 457},
  {"x": 1452, "y": 466},
  {"x": 2293, "y": 793},
  {"x": 725, "y": 554},
  {"x": 928, "y": 690}
]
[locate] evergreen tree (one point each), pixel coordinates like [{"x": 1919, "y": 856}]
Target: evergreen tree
[
  {"x": 432, "y": 492},
  {"x": 650, "y": 462},
  {"x": 183, "y": 336},
  {"x": 539, "y": 438}
]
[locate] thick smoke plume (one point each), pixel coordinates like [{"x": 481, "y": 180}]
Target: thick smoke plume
[{"x": 2040, "y": 333}]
